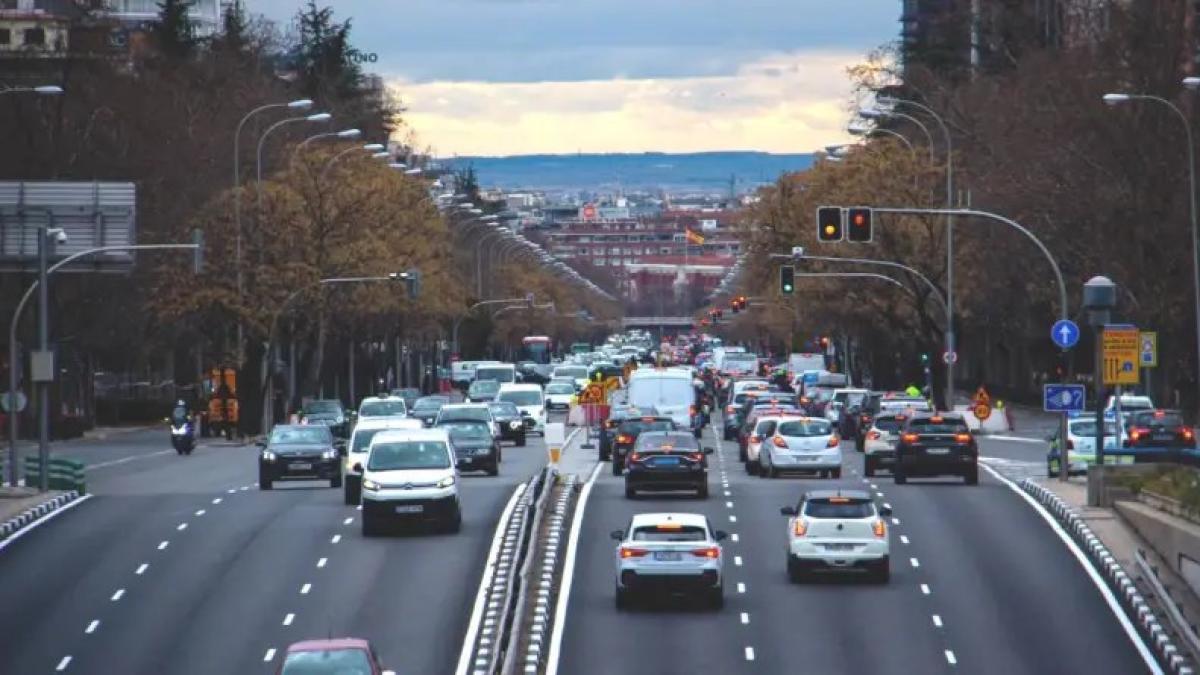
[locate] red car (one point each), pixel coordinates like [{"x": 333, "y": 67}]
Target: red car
[{"x": 336, "y": 656}]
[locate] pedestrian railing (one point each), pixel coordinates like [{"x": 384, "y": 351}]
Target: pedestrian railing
[{"x": 63, "y": 474}]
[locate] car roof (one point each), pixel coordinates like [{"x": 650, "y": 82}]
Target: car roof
[
  {"x": 392, "y": 435},
  {"x": 451, "y": 407},
  {"x": 925, "y": 415},
  {"x": 368, "y": 423},
  {"x": 512, "y": 386},
  {"x": 785, "y": 417},
  {"x": 331, "y": 643},
  {"x": 375, "y": 399},
  {"x": 651, "y": 519},
  {"x": 826, "y": 494}
]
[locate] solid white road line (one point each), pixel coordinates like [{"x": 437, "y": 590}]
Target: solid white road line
[
  {"x": 1019, "y": 439},
  {"x": 62, "y": 665},
  {"x": 287, "y": 620},
  {"x": 485, "y": 581},
  {"x": 1101, "y": 586},
  {"x": 749, "y": 653},
  {"x": 124, "y": 460},
  {"x": 269, "y": 655},
  {"x": 305, "y": 589},
  {"x": 118, "y": 595},
  {"x": 950, "y": 657},
  {"x": 42, "y": 521},
  {"x": 91, "y": 627},
  {"x": 568, "y": 575},
  {"x": 937, "y": 620},
  {"x": 142, "y": 569},
  {"x": 745, "y": 618}
]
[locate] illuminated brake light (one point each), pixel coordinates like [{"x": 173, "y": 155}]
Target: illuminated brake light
[
  {"x": 962, "y": 438},
  {"x": 937, "y": 419},
  {"x": 1187, "y": 434},
  {"x": 910, "y": 437},
  {"x": 799, "y": 528},
  {"x": 695, "y": 456},
  {"x": 874, "y": 435},
  {"x": 833, "y": 442},
  {"x": 729, "y": 409},
  {"x": 635, "y": 457},
  {"x": 804, "y": 399},
  {"x": 839, "y": 500},
  {"x": 879, "y": 529},
  {"x": 633, "y": 552},
  {"x": 1160, "y": 414},
  {"x": 779, "y": 442},
  {"x": 708, "y": 552},
  {"x": 624, "y": 438},
  {"x": 756, "y": 439}
]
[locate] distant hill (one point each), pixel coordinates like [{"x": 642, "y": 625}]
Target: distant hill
[{"x": 701, "y": 172}]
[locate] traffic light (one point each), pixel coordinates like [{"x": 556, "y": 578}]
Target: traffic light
[
  {"x": 787, "y": 280},
  {"x": 734, "y": 305},
  {"x": 924, "y": 359},
  {"x": 860, "y": 225},
  {"x": 743, "y": 301},
  {"x": 830, "y": 224},
  {"x": 825, "y": 343}
]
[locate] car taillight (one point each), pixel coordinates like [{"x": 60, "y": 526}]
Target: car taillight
[
  {"x": 833, "y": 441},
  {"x": 1186, "y": 433},
  {"x": 779, "y": 442},
  {"x": 707, "y": 552},
  {"x": 879, "y": 529},
  {"x": 691, "y": 410},
  {"x": 695, "y": 456},
  {"x": 624, "y": 438},
  {"x": 1070, "y": 444},
  {"x": 633, "y": 552},
  {"x": 804, "y": 400},
  {"x": 962, "y": 438},
  {"x": 756, "y": 439},
  {"x": 1135, "y": 434},
  {"x": 910, "y": 437},
  {"x": 729, "y": 409},
  {"x": 634, "y": 457},
  {"x": 874, "y": 435},
  {"x": 865, "y": 418},
  {"x": 799, "y": 528}
]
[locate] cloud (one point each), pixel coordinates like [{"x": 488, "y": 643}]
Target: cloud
[{"x": 787, "y": 102}]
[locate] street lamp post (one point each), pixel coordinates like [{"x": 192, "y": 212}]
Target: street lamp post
[
  {"x": 1192, "y": 83},
  {"x": 369, "y": 147},
  {"x": 482, "y": 303},
  {"x": 43, "y": 90},
  {"x": 343, "y": 134},
  {"x": 262, "y": 140}
]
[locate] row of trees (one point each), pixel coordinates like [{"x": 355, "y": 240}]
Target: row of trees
[
  {"x": 166, "y": 121},
  {"x": 1105, "y": 189}
]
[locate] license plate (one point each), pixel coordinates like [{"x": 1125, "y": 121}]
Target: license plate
[
  {"x": 666, "y": 461},
  {"x": 839, "y": 547},
  {"x": 300, "y": 466},
  {"x": 804, "y": 458},
  {"x": 412, "y": 508},
  {"x": 1164, "y": 437},
  {"x": 937, "y": 451},
  {"x": 667, "y": 555}
]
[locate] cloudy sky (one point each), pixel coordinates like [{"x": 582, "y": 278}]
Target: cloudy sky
[{"x": 500, "y": 77}]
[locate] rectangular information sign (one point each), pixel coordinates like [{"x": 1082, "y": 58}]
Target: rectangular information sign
[{"x": 1121, "y": 355}]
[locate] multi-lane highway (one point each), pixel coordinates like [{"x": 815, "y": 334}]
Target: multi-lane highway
[
  {"x": 980, "y": 584},
  {"x": 181, "y": 565}
]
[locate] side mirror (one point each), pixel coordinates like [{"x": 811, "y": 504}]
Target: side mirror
[
  {"x": 885, "y": 511},
  {"x": 617, "y": 535},
  {"x": 358, "y": 468},
  {"x": 788, "y": 511},
  {"x": 709, "y": 451},
  {"x": 340, "y": 446},
  {"x": 261, "y": 444},
  {"x": 720, "y": 535}
]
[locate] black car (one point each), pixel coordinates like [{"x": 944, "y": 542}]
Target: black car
[
  {"x": 608, "y": 429},
  {"x": 409, "y": 394},
  {"x": 474, "y": 447},
  {"x": 667, "y": 460},
  {"x": 427, "y": 408},
  {"x": 936, "y": 445},
  {"x": 513, "y": 425},
  {"x": 330, "y": 413},
  {"x": 626, "y": 434},
  {"x": 300, "y": 452},
  {"x": 1156, "y": 435}
]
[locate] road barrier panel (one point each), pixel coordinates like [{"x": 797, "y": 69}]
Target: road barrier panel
[{"x": 63, "y": 474}]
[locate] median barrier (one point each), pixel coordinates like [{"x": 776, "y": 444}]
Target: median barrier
[{"x": 64, "y": 474}]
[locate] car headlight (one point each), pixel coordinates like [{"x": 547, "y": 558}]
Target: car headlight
[
  {"x": 514, "y": 425},
  {"x": 482, "y": 451},
  {"x": 446, "y": 482},
  {"x": 369, "y": 485},
  {"x": 268, "y": 456},
  {"x": 339, "y": 420},
  {"x": 329, "y": 454}
]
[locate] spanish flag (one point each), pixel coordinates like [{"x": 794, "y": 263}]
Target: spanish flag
[{"x": 693, "y": 237}]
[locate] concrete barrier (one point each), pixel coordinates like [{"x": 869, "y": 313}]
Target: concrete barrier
[{"x": 997, "y": 423}]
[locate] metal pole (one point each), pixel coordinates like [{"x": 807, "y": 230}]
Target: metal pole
[
  {"x": 1099, "y": 385},
  {"x": 351, "y": 378},
  {"x": 44, "y": 345}
]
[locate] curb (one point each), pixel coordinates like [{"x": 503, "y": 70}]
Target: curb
[
  {"x": 1130, "y": 598},
  {"x": 36, "y": 513}
]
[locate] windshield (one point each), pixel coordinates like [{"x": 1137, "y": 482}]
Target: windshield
[
  {"x": 946, "y": 426},
  {"x": 429, "y": 403},
  {"x": 576, "y": 372},
  {"x": 330, "y": 662},
  {"x": 825, "y": 508},
  {"x": 322, "y": 407},
  {"x": 1088, "y": 429},
  {"x": 471, "y": 413},
  {"x": 401, "y": 455},
  {"x": 382, "y": 408},
  {"x": 560, "y": 389},
  {"x": 804, "y": 428},
  {"x": 499, "y": 374},
  {"x": 504, "y": 409},
  {"x": 484, "y": 387},
  {"x": 657, "y": 392},
  {"x": 670, "y": 533},
  {"x": 292, "y": 435},
  {"x": 467, "y": 431},
  {"x": 522, "y": 398}
]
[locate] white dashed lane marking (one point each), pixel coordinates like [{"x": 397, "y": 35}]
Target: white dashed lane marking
[
  {"x": 950, "y": 658},
  {"x": 269, "y": 655},
  {"x": 915, "y": 563},
  {"x": 903, "y": 539},
  {"x": 200, "y": 512},
  {"x": 348, "y": 521},
  {"x": 741, "y": 587},
  {"x": 182, "y": 527},
  {"x": 336, "y": 538},
  {"x": 91, "y": 627},
  {"x": 749, "y": 653},
  {"x": 287, "y": 620},
  {"x": 164, "y": 545},
  {"x": 733, "y": 537},
  {"x": 216, "y": 500},
  {"x": 305, "y": 589},
  {"x": 737, "y": 560},
  {"x": 142, "y": 569},
  {"x": 118, "y": 595},
  {"x": 745, "y": 618},
  {"x": 321, "y": 562},
  {"x": 62, "y": 665},
  {"x": 937, "y": 620},
  {"x": 729, "y": 505},
  {"x": 925, "y": 589}
]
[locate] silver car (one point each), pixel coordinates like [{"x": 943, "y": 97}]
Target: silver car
[
  {"x": 837, "y": 530},
  {"x": 677, "y": 553},
  {"x": 801, "y": 444}
]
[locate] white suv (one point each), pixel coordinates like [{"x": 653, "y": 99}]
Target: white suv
[
  {"x": 677, "y": 552},
  {"x": 410, "y": 475},
  {"x": 837, "y": 530}
]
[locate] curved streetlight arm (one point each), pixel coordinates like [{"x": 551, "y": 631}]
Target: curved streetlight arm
[
  {"x": 549, "y": 306},
  {"x": 334, "y": 159},
  {"x": 258, "y": 155},
  {"x": 934, "y": 290},
  {"x": 472, "y": 308},
  {"x": 16, "y": 318}
]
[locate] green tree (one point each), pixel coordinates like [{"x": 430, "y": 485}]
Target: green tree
[
  {"x": 325, "y": 56},
  {"x": 173, "y": 31}
]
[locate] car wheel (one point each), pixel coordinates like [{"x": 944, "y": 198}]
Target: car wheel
[
  {"x": 716, "y": 597},
  {"x": 370, "y": 528},
  {"x": 742, "y": 456},
  {"x": 521, "y": 441},
  {"x": 336, "y": 480},
  {"x": 772, "y": 472},
  {"x": 794, "y": 571},
  {"x": 971, "y": 477},
  {"x": 494, "y": 469},
  {"x": 859, "y": 446},
  {"x": 264, "y": 482},
  {"x": 751, "y": 468},
  {"x": 868, "y": 467},
  {"x": 454, "y": 524},
  {"x": 836, "y": 473},
  {"x": 616, "y": 465},
  {"x": 622, "y": 598},
  {"x": 702, "y": 490},
  {"x": 898, "y": 475},
  {"x": 882, "y": 572},
  {"x": 630, "y": 493},
  {"x": 350, "y": 492}
]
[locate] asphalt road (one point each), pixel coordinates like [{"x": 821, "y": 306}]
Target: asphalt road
[
  {"x": 181, "y": 565},
  {"x": 980, "y": 584}
]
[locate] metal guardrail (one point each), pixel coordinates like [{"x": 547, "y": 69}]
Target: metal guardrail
[
  {"x": 537, "y": 647},
  {"x": 1181, "y": 624}
]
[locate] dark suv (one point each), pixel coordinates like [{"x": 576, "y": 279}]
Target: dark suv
[
  {"x": 1157, "y": 434},
  {"x": 627, "y": 432},
  {"x": 330, "y": 413},
  {"x": 936, "y": 445},
  {"x": 667, "y": 460}
]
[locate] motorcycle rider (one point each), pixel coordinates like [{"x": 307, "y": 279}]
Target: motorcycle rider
[{"x": 181, "y": 417}]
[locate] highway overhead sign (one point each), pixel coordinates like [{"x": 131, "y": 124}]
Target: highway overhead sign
[
  {"x": 1121, "y": 355},
  {"x": 1063, "y": 397},
  {"x": 1148, "y": 349},
  {"x": 1065, "y": 333}
]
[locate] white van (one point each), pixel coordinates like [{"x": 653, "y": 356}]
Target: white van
[
  {"x": 360, "y": 443},
  {"x": 529, "y": 399},
  {"x": 575, "y": 372},
  {"x": 504, "y": 373},
  {"x": 462, "y": 373},
  {"x": 410, "y": 475},
  {"x": 669, "y": 391}
]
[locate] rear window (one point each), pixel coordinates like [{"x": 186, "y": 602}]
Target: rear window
[
  {"x": 681, "y": 442},
  {"x": 341, "y": 661},
  {"x": 833, "y": 508},
  {"x": 682, "y": 533},
  {"x": 802, "y": 428},
  {"x": 638, "y": 426},
  {"x": 1166, "y": 419},
  {"x": 765, "y": 428},
  {"x": 889, "y": 424},
  {"x": 946, "y": 426},
  {"x": 1089, "y": 429},
  {"x": 382, "y": 408}
]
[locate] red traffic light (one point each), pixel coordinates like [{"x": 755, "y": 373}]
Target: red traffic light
[{"x": 860, "y": 225}]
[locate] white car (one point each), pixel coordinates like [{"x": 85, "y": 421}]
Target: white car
[
  {"x": 764, "y": 428},
  {"x": 382, "y": 406},
  {"x": 559, "y": 395},
  {"x": 1081, "y": 446},
  {"x": 410, "y": 475},
  {"x": 529, "y": 399},
  {"x": 673, "y": 552},
  {"x": 844, "y": 400},
  {"x": 360, "y": 443},
  {"x": 837, "y": 530},
  {"x": 802, "y": 444},
  {"x": 578, "y": 373},
  {"x": 879, "y": 443}
]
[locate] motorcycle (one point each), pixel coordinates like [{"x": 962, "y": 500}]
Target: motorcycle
[{"x": 183, "y": 437}]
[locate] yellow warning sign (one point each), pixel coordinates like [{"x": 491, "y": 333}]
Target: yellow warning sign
[
  {"x": 1121, "y": 354},
  {"x": 593, "y": 393}
]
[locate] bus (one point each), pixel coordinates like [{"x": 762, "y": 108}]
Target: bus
[{"x": 536, "y": 348}]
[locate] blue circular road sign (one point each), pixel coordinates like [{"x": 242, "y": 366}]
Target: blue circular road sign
[{"x": 1065, "y": 333}]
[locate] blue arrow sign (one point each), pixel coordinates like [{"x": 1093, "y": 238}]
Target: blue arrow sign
[
  {"x": 1065, "y": 333},
  {"x": 1063, "y": 397}
]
